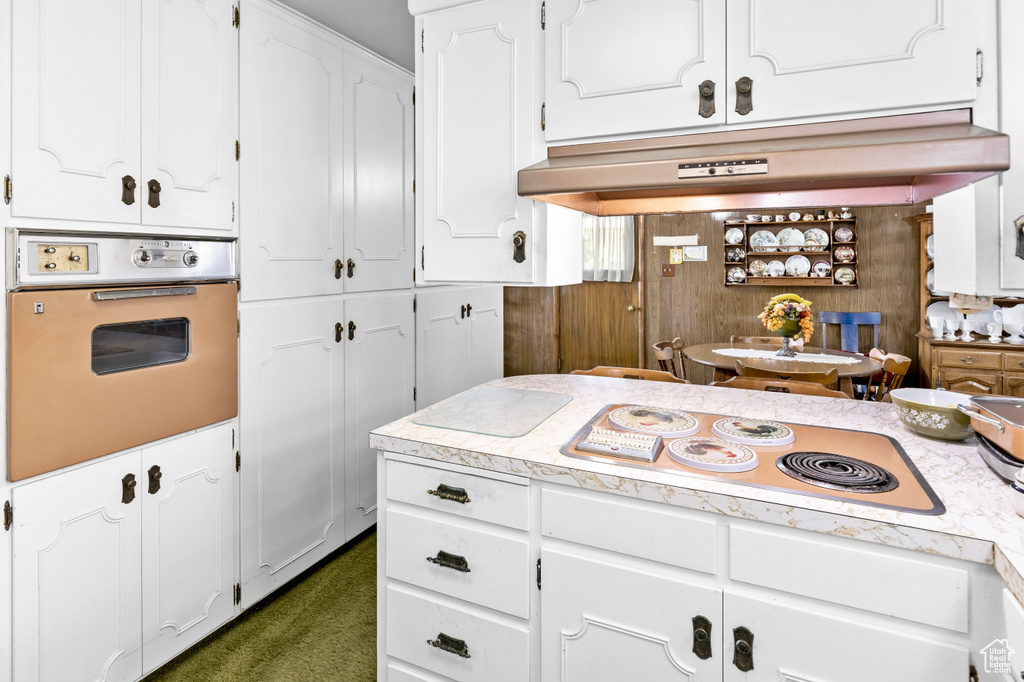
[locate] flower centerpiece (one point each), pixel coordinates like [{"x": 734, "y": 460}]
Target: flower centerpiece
[{"x": 788, "y": 315}]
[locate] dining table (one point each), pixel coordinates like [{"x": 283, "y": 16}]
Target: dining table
[{"x": 723, "y": 357}]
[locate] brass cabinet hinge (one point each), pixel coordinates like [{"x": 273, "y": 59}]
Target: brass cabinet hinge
[
  {"x": 232, "y": 438},
  {"x": 421, "y": 39},
  {"x": 238, "y": 460},
  {"x": 235, "y": 16},
  {"x": 8, "y": 189},
  {"x": 543, "y": 115},
  {"x": 238, "y": 150},
  {"x": 414, "y": 186},
  {"x": 414, "y": 274},
  {"x": 423, "y": 255},
  {"x": 238, "y": 593},
  {"x": 414, "y": 394},
  {"x": 543, "y": 15},
  {"x": 538, "y": 573},
  {"x": 239, "y": 321},
  {"x": 414, "y": 297},
  {"x": 414, "y": 96},
  {"x": 8, "y": 515},
  {"x": 232, "y": 211},
  {"x": 979, "y": 65}
]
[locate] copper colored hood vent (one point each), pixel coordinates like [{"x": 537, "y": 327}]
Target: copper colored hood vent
[{"x": 865, "y": 162}]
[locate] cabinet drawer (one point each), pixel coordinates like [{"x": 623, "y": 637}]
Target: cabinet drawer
[
  {"x": 498, "y": 651},
  {"x": 1013, "y": 362},
  {"x": 637, "y": 529},
  {"x": 971, "y": 381},
  {"x": 871, "y": 579},
  {"x": 970, "y": 359},
  {"x": 498, "y": 564},
  {"x": 466, "y": 495}
]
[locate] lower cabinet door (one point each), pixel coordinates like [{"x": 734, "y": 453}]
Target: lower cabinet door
[
  {"x": 292, "y": 410},
  {"x": 189, "y": 495},
  {"x": 972, "y": 382},
  {"x": 794, "y": 645},
  {"x": 603, "y": 621},
  {"x": 380, "y": 374},
  {"x": 77, "y": 548}
]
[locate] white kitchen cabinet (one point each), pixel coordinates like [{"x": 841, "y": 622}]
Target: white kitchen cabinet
[
  {"x": 292, "y": 412},
  {"x": 380, "y": 357},
  {"x": 479, "y": 89},
  {"x": 592, "y": 628},
  {"x": 109, "y": 96},
  {"x": 379, "y": 150},
  {"x": 111, "y": 580},
  {"x": 459, "y": 341},
  {"x": 629, "y": 68}
]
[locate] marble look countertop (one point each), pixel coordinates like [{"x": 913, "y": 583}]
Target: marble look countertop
[{"x": 979, "y": 524}]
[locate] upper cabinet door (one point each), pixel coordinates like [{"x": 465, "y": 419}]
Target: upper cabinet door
[
  {"x": 378, "y": 181},
  {"x": 75, "y": 109},
  {"x": 810, "y": 58},
  {"x": 292, "y": 118},
  {"x": 190, "y": 114},
  {"x": 480, "y": 120},
  {"x": 632, "y": 66}
]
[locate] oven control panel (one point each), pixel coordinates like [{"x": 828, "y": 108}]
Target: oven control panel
[{"x": 63, "y": 257}]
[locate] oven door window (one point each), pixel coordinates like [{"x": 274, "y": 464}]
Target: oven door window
[{"x": 134, "y": 345}]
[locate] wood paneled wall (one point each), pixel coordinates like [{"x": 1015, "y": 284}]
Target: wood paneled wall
[{"x": 697, "y": 306}]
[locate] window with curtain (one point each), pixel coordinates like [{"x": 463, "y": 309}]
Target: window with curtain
[{"x": 608, "y": 248}]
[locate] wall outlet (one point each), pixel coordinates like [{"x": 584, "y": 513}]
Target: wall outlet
[
  {"x": 675, "y": 256},
  {"x": 667, "y": 269}
]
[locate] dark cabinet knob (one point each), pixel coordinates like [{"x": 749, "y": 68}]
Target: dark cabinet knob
[
  {"x": 154, "y": 194},
  {"x": 128, "y": 190},
  {"x": 706, "y": 91},
  {"x": 744, "y": 96}
]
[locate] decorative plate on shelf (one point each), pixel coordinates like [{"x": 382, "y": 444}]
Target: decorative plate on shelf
[
  {"x": 929, "y": 246},
  {"x": 844, "y": 254},
  {"x": 736, "y": 275},
  {"x": 775, "y": 269},
  {"x": 790, "y": 239},
  {"x": 734, "y": 254},
  {"x": 763, "y": 240},
  {"x": 930, "y": 278},
  {"x": 753, "y": 431},
  {"x": 798, "y": 266},
  {"x": 821, "y": 268},
  {"x": 795, "y": 215},
  {"x": 816, "y": 235},
  {"x": 655, "y": 420},
  {"x": 733, "y": 221},
  {"x": 844, "y": 234},
  {"x": 845, "y": 276},
  {"x": 712, "y": 454},
  {"x": 757, "y": 268},
  {"x": 734, "y": 235}
]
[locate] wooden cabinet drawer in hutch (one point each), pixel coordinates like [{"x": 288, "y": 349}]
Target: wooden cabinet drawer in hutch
[
  {"x": 971, "y": 359},
  {"x": 1013, "y": 362},
  {"x": 967, "y": 381}
]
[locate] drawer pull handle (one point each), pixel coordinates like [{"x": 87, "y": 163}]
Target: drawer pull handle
[
  {"x": 450, "y": 644},
  {"x": 447, "y": 492},
  {"x": 1020, "y": 363},
  {"x": 969, "y": 360},
  {"x": 452, "y": 561}
]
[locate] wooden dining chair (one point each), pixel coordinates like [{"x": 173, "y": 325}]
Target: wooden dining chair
[
  {"x": 771, "y": 340},
  {"x": 631, "y": 373},
  {"x": 780, "y": 386},
  {"x": 894, "y": 368},
  {"x": 849, "y": 323},
  {"x": 670, "y": 357},
  {"x": 828, "y": 379}
]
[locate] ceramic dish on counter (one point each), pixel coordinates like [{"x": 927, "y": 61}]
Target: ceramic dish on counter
[
  {"x": 712, "y": 454},
  {"x": 790, "y": 239},
  {"x": 734, "y": 235},
  {"x": 844, "y": 254},
  {"x": 736, "y": 275},
  {"x": 763, "y": 240},
  {"x": 757, "y": 268},
  {"x": 844, "y": 234},
  {"x": 757, "y": 432},
  {"x": 933, "y": 413},
  {"x": 735, "y": 254},
  {"x": 816, "y": 235},
  {"x": 657, "y": 421},
  {"x": 845, "y": 276},
  {"x": 821, "y": 268},
  {"x": 776, "y": 268},
  {"x": 798, "y": 266}
]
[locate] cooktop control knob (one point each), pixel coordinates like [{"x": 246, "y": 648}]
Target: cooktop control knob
[
  {"x": 190, "y": 259},
  {"x": 142, "y": 258}
]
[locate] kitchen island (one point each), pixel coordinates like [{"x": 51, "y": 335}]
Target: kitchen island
[{"x": 632, "y": 556}]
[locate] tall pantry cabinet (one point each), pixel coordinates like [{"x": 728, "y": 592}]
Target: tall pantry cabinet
[{"x": 327, "y": 322}]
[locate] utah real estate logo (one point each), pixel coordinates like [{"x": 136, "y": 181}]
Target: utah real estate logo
[{"x": 997, "y": 656}]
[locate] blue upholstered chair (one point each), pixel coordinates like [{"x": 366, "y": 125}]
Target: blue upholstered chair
[{"x": 848, "y": 324}]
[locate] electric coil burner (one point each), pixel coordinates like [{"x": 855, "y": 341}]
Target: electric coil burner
[{"x": 836, "y": 472}]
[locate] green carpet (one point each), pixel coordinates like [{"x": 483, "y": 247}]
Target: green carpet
[{"x": 323, "y": 627}]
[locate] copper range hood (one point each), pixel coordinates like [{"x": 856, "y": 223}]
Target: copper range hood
[{"x": 865, "y": 162}]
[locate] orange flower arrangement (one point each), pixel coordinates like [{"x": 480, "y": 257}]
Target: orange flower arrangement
[{"x": 788, "y": 308}]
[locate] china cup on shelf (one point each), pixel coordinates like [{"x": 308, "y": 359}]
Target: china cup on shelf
[
  {"x": 951, "y": 327},
  {"x": 995, "y": 332},
  {"x": 936, "y": 325}
]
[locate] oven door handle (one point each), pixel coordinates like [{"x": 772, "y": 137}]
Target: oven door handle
[{"x": 120, "y": 294}]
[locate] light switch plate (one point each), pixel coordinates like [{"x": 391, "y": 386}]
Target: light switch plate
[{"x": 668, "y": 270}]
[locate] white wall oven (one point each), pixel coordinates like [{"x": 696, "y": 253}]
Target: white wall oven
[{"x": 115, "y": 341}]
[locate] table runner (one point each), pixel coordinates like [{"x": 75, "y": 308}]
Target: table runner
[{"x": 799, "y": 357}]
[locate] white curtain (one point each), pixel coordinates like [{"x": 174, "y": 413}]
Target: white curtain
[{"x": 607, "y": 248}]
